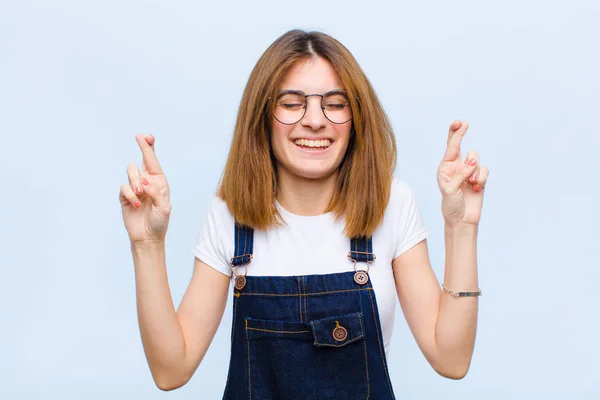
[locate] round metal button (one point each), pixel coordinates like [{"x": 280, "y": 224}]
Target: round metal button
[
  {"x": 240, "y": 282},
  {"x": 340, "y": 334},
  {"x": 361, "y": 277}
]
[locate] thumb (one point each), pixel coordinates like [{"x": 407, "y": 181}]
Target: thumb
[
  {"x": 157, "y": 195},
  {"x": 464, "y": 172}
]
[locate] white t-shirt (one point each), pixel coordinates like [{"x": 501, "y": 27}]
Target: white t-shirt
[{"x": 319, "y": 247}]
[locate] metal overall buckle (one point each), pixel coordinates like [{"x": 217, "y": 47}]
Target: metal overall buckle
[
  {"x": 361, "y": 276},
  {"x": 240, "y": 280}
]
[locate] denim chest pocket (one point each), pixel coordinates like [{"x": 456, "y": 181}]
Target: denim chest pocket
[{"x": 319, "y": 359}]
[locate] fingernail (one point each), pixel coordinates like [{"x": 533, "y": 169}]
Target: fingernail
[
  {"x": 138, "y": 189},
  {"x": 137, "y": 203},
  {"x": 145, "y": 181},
  {"x": 477, "y": 188},
  {"x": 474, "y": 178},
  {"x": 473, "y": 162}
]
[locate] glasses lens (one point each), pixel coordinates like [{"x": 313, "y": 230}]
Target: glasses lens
[
  {"x": 290, "y": 108},
  {"x": 337, "y": 108}
]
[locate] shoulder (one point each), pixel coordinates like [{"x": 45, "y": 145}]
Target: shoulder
[
  {"x": 400, "y": 193},
  {"x": 402, "y": 207},
  {"x": 220, "y": 219},
  {"x": 219, "y": 211},
  {"x": 219, "y": 208}
]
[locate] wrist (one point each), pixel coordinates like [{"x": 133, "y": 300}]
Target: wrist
[
  {"x": 461, "y": 229},
  {"x": 143, "y": 246}
]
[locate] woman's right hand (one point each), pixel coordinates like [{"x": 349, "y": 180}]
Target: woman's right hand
[{"x": 145, "y": 200}]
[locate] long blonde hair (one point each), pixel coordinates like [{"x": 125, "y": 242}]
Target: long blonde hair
[{"x": 249, "y": 181}]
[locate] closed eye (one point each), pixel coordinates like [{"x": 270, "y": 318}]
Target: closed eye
[{"x": 292, "y": 106}]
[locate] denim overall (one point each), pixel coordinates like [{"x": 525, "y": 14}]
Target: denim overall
[{"x": 306, "y": 337}]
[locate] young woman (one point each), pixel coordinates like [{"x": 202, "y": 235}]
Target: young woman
[{"x": 317, "y": 236}]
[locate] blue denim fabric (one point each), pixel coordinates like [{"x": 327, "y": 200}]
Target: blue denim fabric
[{"x": 282, "y": 339}]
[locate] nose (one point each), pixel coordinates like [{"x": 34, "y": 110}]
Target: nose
[{"x": 314, "y": 117}]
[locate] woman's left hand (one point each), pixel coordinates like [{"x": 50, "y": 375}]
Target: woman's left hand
[{"x": 461, "y": 182}]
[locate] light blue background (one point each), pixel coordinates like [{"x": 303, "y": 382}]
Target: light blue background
[{"x": 79, "y": 79}]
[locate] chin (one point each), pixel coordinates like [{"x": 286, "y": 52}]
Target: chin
[{"x": 312, "y": 173}]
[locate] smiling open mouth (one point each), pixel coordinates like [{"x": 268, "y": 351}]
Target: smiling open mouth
[{"x": 313, "y": 144}]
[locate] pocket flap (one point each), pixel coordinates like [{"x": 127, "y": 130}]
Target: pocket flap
[{"x": 338, "y": 331}]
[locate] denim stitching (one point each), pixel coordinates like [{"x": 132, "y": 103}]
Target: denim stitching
[
  {"x": 387, "y": 376},
  {"x": 268, "y": 330},
  {"x": 305, "y": 306},
  {"x": 366, "y": 359},
  {"x": 249, "y": 380},
  {"x": 362, "y": 334},
  {"x": 299, "y": 298},
  {"x": 306, "y": 294},
  {"x": 235, "y": 301},
  {"x": 302, "y": 299},
  {"x": 338, "y": 345},
  {"x": 245, "y": 243}
]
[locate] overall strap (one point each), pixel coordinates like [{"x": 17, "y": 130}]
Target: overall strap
[
  {"x": 244, "y": 240},
  {"x": 361, "y": 249}
]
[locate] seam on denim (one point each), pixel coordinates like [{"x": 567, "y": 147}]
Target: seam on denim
[
  {"x": 245, "y": 242},
  {"x": 232, "y": 336},
  {"x": 249, "y": 379},
  {"x": 269, "y": 330},
  {"x": 299, "y": 298},
  {"x": 305, "y": 305},
  {"x": 302, "y": 299},
  {"x": 235, "y": 301},
  {"x": 338, "y": 345},
  {"x": 387, "y": 375},
  {"x": 307, "y": 294},
  {"x": 366, "y": 359},
  {"x": 362, "y": 335}
]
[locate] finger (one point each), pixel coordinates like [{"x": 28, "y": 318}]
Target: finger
[
  {"x": 483, "y": 177},
  {"x": 127, "y": 196},
  {"x": 133, "y": 173},
  {"x": 466, "y": 169},
  {"x": 473, "y": 179},
  {"x": 150, "y": 162},
  {"x": 454, "y": 140},
  {"x": 158, "y": 196},
  {"x": 150, "y": 139},
  {"x": 453, "y": 127}
]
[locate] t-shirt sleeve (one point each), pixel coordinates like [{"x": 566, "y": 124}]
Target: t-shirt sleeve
[
  {"x": 214, "y": 243},
  {"x": 411, "y": 227}
]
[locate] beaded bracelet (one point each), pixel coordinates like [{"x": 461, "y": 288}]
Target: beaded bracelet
[{"x": 461, "y": 294}]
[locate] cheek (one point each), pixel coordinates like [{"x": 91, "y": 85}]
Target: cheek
[
  {"x": 343, "y": 134},
  {"x": 279, "y": 137}
]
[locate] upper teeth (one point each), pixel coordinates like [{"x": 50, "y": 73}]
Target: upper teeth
[{"x": 313, "y": 143}]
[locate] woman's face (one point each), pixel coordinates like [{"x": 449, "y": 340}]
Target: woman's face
[{"x": 313, "y": 147}]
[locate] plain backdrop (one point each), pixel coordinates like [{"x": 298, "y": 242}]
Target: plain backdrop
[{"x": 79, "y": 79}]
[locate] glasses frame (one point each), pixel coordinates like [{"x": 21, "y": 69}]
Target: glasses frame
[{"x": 306, "y": 96}]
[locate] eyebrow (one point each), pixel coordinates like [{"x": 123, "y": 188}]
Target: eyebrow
[{"x": 300, "y": 92}]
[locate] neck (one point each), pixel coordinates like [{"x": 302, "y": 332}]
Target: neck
[{"x": 303, "y": 196}]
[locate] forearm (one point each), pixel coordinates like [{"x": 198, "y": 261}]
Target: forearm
[
  {"x": 161, "y": 333},
  {"x": 457, "y": 319}
]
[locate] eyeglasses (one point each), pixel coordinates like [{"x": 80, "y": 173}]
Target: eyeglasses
[{"x": 291, "y": 105}]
